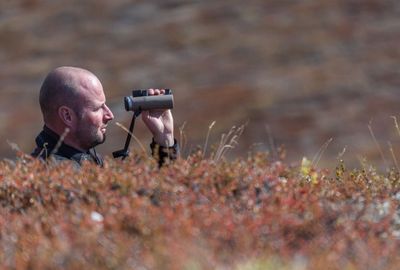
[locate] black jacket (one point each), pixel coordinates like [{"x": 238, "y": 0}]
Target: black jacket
[{"x": 46, "y": 146}]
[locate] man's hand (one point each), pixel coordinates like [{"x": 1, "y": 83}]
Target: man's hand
[{"x": 160, "y": 122}]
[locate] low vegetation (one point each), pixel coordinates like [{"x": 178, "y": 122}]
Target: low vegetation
[{"x": 197, "y": 213}]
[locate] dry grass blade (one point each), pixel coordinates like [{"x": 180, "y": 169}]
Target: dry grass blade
[
  {"x": 320, "y": 152},
  {"x": 377, "y": 144},
  {"x": 60, "y": 141},
  {"x": 393, "y": 156},
  {"x": 271, "y": 142},
  {"x": 182, "y": 137},
  {"x": 14, "y": 146},
  {"x": 207, "y": 137},
  {"x": 341, "y": 154},
  {"x": 396, "y": 124},
  {"x": 133, "y": 136},
  {"x": 228, "y": 141},
  {"x": 222, "y": 144}
]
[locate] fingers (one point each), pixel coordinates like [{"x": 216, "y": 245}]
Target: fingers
[{"x": 156, "y": 92}]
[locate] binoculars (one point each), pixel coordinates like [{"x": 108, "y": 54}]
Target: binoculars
[
  {"x": 141, "y": 101},
  {"x": 138, "y": 102}
]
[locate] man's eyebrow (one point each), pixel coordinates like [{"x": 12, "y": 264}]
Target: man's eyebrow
[
  {"x": 93, "y": 104},
  {"x": 101, "y": 105}
]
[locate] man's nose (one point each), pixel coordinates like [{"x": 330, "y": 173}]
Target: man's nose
[{"x": 108, "y": 115}]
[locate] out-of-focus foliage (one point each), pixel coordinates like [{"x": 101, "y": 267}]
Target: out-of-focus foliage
[{"x": 251, "y": 213}]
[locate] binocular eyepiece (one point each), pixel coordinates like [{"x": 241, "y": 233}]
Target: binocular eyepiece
[{"x": 141, "y": 101}]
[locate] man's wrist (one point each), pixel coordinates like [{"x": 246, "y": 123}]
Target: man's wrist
[
  {"x": 164, "y": 140},
  {"x": 162, "y": 153}
]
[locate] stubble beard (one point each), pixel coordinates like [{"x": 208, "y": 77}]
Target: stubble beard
[
  {"x": 96, "y": 138},
  {"x": 91, "y": 136}
]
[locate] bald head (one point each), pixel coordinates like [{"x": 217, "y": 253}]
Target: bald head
[
  {"x": 64, "y": 86},
  {"x": 73, "y": 98}
]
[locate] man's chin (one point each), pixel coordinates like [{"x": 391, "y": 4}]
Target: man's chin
[
  {"x": 104, "y": 139},
  {"x": 99, "y": 140}
]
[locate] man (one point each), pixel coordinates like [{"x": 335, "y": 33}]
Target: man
[{"x": 76, "y": 116}]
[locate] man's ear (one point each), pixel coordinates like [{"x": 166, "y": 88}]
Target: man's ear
[{"x": 67, "y": 115}]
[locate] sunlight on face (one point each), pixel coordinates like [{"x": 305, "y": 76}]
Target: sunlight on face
[{"x": 94, "y": 114}]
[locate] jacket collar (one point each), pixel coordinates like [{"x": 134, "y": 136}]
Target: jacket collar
[{"x": 49, "y": 144}]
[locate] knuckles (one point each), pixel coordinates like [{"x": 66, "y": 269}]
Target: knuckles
[{"x": 153, "y": 91}]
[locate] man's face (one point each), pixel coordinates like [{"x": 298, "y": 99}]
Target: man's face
[{"x": 93, "y": 117}]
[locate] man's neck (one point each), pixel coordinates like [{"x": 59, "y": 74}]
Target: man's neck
[{"x": 66, "y": 137}]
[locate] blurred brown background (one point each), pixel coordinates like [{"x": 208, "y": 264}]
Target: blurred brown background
[{"x": 309, "y": 70}]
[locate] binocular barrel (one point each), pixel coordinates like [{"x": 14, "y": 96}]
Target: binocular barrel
[{"x": 145, "y": 103}]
